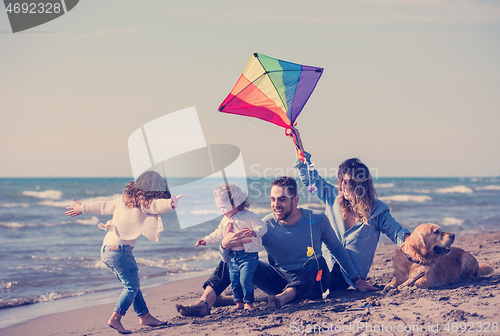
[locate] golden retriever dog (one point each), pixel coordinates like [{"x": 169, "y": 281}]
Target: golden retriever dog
[{"x": 426, "y": 259}]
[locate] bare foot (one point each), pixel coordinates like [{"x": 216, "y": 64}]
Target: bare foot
[
  {"x": 200, "y": 308},
  {"x": 277, "y": 301},
  {"x": 239, "y": 305},
  {"x": 117, "y": 325},
  {"x": 150, "y": 321},
  {"x": 273, "y": 302},
  {"x": 249, "y": 306}
]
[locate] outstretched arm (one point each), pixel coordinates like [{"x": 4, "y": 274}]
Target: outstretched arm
[
  {"x": 200, "y": 242},
  {"x": 162, "y": 205},
  {"x": 389, "y": 226},
  {"x": 74, "y": 210},
  {"x": 99, "y": 207},
  {"x": 309, "y": 176}
]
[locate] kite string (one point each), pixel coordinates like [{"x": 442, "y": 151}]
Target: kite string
[
  {"x": 250, "y": 124},
  {"x": 303, "y": 159},
  {"x": 310, "y": 230}
]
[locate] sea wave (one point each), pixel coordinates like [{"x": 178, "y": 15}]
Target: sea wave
[
  {"x": 384, "y": 185},
  {"x": 14, "y": 205},
  {"x": 42, "y": 298},
  {"x": 88, "y": 221},
  {"x": 450, "y": 221},
  {"x": 490, "y": 187},
  {"x": 268, "y": 210},
  {"x": 94, "y": 263},
  {"x": 260, "y": 211},
  {"x": 406, "y": 198},
  {"x": 170, "y": 265},
  {"x": 15, "y": 225},
  {"x": 42, "y": 262},
  {"x": 422, "y": 191},
  {"x": 47, "y": 194},
  {"x": 167, "y": 265},
  {"x": 205, "y": 212},
  {"x": 456, "y": 189},
  {"x": 68, "y": 203},
  {"x": 173, "y": 265},
  {"x": 8, "y": 285},
  {"x": 316, "y": 206}
]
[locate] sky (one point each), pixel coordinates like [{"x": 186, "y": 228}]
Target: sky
[{"x": 409, "y": 87}]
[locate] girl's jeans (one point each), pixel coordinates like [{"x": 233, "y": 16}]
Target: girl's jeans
[
  {"x": 120, "y": 260},
  {"x": 241, "y": 269}
]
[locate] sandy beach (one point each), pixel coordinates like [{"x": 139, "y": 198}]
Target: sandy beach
[{"x": 472, "y": 306}]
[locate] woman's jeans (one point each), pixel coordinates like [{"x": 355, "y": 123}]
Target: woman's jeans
[
  {"x": 241, "y": 269},
  {"x": 120, "y": 260}
]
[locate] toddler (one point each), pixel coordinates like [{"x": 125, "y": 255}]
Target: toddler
[{"x": 243, "y": 258}]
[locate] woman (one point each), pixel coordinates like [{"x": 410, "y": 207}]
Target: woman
[{"x": 354, "y": 211}]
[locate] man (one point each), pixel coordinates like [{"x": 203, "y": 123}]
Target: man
[{"x": 292, "y": 272}]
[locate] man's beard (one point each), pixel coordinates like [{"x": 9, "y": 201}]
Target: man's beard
[{"x": 284, "y": 214}]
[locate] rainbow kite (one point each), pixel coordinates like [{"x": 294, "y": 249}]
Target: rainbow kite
[{"x": 272, "y": 90}]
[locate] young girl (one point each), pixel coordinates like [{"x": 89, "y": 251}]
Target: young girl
[
  {"x": 231, "y": 200},
  {"x": 136, "y": 212},
  {"x": 355, "y": 213}
]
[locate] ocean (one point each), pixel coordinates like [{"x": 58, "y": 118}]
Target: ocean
[{"x": 50, "y": 262}]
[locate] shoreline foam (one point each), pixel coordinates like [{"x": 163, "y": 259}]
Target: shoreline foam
[{"x": 11, "y": 316}]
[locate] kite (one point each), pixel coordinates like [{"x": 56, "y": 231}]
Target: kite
[{"x": 272, "y": 90}]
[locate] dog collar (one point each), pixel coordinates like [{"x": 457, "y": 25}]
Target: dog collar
[{"x": 413, "y": 261}]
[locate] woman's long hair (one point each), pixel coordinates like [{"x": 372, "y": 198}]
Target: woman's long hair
[
  {"x": 362, "y": 190},
  {"x": 148, "y": 187}
]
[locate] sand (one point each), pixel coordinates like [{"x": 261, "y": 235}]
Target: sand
[{"x": 472, "y": 306}]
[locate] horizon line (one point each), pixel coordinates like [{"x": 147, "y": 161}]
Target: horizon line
[{"x": 248, "y": 177}]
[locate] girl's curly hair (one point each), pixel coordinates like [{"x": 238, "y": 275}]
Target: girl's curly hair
[{"x": 148, "y": 187}]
